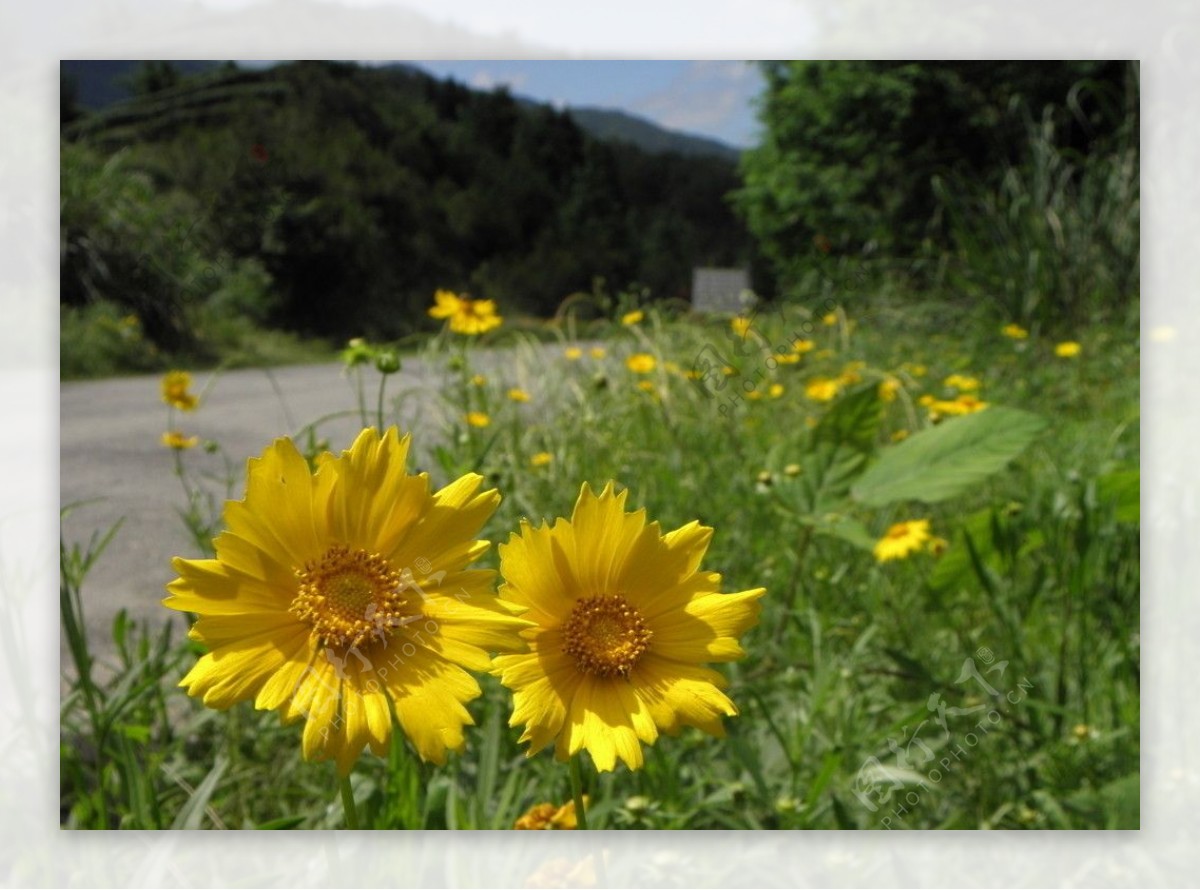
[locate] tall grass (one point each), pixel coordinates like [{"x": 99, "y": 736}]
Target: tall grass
[{"x": 1058, "y": 243}]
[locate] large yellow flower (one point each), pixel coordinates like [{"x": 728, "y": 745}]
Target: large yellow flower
[
  {"x": 624, "y": 624},
  {"x": 342, "y": 597},
  {"x": 466, "y": 316}
]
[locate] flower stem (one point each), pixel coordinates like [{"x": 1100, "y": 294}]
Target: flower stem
[
  {"x": 577, "y": 793},
  {"x": 348, "y": 803},
  {"x": 379, "y": 404}
]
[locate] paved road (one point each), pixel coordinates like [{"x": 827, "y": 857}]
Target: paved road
[{"x": 110, "y": 453}]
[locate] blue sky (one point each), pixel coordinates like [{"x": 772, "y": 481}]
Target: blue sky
[{"x": 710, "y": 98}]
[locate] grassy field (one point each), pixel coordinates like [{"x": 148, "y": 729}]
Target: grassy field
[{"x": 987, "y": 679}]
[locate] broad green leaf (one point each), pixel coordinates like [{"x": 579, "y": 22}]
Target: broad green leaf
[
  {"x": 946, "y": 460},
  {"x": 828, "y": 471},
  {"x": 852, "y": 421}
]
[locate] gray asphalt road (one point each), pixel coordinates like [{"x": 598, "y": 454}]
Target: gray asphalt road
[{"x": 111, "y": 457}]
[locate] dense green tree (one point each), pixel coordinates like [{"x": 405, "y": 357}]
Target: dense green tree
[{"x": 850, "y": 149}]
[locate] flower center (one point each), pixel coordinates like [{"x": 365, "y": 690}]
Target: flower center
[
  {"x": 348, "y": 595},
  {"x": 605, "y": 635}
]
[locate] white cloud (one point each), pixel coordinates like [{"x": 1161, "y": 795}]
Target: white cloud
[{"x": 487, "y": 80}]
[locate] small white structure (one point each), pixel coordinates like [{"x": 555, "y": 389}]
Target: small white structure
[{"x": 721, "y": 290}]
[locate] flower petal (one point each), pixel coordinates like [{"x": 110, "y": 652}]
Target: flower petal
[{"x": 707, "y": 627}]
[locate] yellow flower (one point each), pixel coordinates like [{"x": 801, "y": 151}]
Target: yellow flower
[
  {"x": 544, "y": 816},
  {"x": 641, "y": 363},
  {"x": 646, "y": 386},
  {"x": 830, "y": 319},
  {"x": 788, "y": 358},
  {"x": 343, "y": 598},
  {"x": 177, "y": 440},
  {"x": 728, "y": 371},
  {"x": 792, "y": 470},
  {"x": 915, "y": 369},
  {"x": 175, "y": 386},
  {"x": 888, "y": 389},
  {"x": 477, "y": 418},
  {"x": 625, "y": 622},
  {"x": 962, "y": 382},
  {"x": 479, "y": 380},
  {"x": 926, "y": 400},
  {"x": 632, "y": 318},
  {"x": 802, "y": 346},
  {"x": 1069, "y": 349},
  {"x": 822, "y": 389},
  {"x": 775, "y": 390},
  {"x": 596, "y": 352},
  {"x": 740, "y": 325},
  {"x": 573, "y": 353},
  {"x": 541, "y": 459},
  {"x": 899, "y": 435},
  {"x": 466, "y": 316},
  {"x": 964, "y": 404},
  {"x": 1015, "y": 331},
  {"x": 902, "y": 539},
  {"x": 754, "y": 395},
  {"x": 518, "y": 395}
]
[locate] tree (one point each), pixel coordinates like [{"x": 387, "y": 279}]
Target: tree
[{"x": 850, "y": 149}]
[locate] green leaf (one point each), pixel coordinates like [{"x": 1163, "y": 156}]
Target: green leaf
[
  {"x": 845, "y": 528},
  {"x": 828, "y": 471},
  {"x": 191, "y": 814},
  {"x": 853, "y": 421},
  {"x": 946, "y": 460}
]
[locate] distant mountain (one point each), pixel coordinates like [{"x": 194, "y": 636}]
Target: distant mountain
[
  {"x": 100, "y": 83},
  {"x": 617, "y": 126}
]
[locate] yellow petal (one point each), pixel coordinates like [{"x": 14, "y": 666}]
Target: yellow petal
[
  {"x": 537, "y": 577},
  {"x": 356, "y": 512},
  {"x": 680, "y": 695},
  {"x": 443, "y": 537},
  {"x": 209, "y": 587},
  {"x": 279, "y": 486},
  {"x": 707, "y": 628},
  {"x": 428, "y": 694}
]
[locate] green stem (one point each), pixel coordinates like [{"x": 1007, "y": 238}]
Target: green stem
[
  {"x": 577, "y": 793},
  {"x": 348, "y": 803},
  {"x": 379, "y": 404},
  {"x": 362, "y": 398}
]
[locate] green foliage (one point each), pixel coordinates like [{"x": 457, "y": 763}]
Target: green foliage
[
  {"x": 917, "y": 165},
  {"x": 944, "y": 461},
  {"x": 99, "y": 340},
  {"x": 412, "y": 185},
  {"x": 1057, "y": 239}
]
